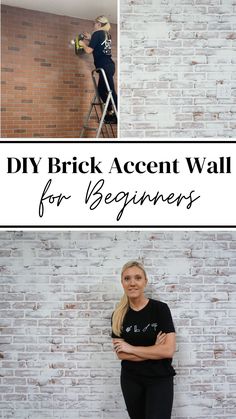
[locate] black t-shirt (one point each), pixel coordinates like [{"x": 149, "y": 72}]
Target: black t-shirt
[
  {"x": 140, "y": 328},
  {"x": 101, "y": 44}
]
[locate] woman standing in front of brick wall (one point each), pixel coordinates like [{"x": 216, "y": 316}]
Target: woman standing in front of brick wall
[
  {"x": 100, "y": 46},
  {"x": 144, "y": 340}
]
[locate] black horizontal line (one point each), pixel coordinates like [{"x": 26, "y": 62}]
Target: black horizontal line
[
  {"x": 116, "y": 142},
  {"x": 116, "y": 226}
]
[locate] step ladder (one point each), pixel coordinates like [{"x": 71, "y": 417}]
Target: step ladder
[{"x": 100, "y": 109}]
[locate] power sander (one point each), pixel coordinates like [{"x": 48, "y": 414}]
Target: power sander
[{"x": 78, "y": 48}]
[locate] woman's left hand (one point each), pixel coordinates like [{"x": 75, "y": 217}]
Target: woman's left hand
[{"x": 122, "y": 346}]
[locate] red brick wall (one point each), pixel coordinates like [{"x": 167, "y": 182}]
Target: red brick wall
[{"x": 46, "y": 88}]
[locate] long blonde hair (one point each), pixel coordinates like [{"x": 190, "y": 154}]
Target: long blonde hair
[
  {"x": 105, "y": 25},
  {"x": 123, "y": 305}
]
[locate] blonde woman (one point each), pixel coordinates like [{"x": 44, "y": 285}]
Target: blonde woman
[
  {"x": 100, "y": 46},
  {"x": 144, "y": 340}
]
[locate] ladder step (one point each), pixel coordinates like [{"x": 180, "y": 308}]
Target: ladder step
[{"x": 90, "y": 128}]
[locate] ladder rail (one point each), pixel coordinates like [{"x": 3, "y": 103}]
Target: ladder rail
[
  {"x": 87, "y": 117},
  {"x": 102, "y": 119},
  {"x": 101, "y": 104},
  {"x": 97, "y": 101},
  {"x": 97, "y": 70},
  {"x": 96, "y": 112}
]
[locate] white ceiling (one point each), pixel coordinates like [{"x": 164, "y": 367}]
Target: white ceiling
[{"x": 84, "y": 9}]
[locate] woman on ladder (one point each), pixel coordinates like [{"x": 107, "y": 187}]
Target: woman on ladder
[{"x": 100, "y": 45}]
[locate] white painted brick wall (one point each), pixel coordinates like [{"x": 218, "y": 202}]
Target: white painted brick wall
[
  {"x": 58, "y": 290},
  {"x": 178, "y": 68}
]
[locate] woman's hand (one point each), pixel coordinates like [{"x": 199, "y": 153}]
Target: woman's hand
[
  {"x": 82, "y": 44},
  {"x": 86, "y": 48},
  {"x": 124, "y": 355},
  {"x": 87, "y": 35},
  {"x": 121, "y": 346},
  {"x": 161, "y": 337}
]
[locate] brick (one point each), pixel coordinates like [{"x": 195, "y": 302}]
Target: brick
[
  {"x": 197, "y": 37},
  {"x": 38, "y": 43}
]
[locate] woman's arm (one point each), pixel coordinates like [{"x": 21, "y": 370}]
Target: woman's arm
[
  {"x": 160, "y": 340},
  {"x": 129, "y": 357},
  {"x": 157, "y": 351},
  {"x": 87, "y": 49},
  {"x": 124, "y": 356}
]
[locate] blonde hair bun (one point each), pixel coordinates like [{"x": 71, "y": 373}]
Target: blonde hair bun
[
  {"x": 102, "y": 19},
  {"x": 104, "y": 22}
]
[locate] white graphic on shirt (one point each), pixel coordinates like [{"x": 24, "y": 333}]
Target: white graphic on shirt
[
  {"x": 107, "y": 46},
  {"x": 154, "y": 325},
  {"x": 135, "y": 328},
  {"x": 128, "y": 329},
  {"x": 146, "y": 327}
]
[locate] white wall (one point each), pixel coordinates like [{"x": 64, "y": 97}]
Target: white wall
[{"x": 178, "y": 68}]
